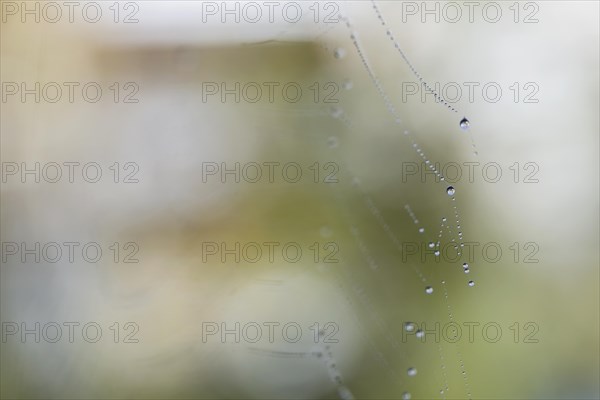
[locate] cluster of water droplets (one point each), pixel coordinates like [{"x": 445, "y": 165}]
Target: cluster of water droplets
[{"x": 451, "y": 191}]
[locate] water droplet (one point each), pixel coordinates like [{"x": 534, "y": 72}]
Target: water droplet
[
  {"x": 340, "y": 53},
  {"x": 419, "y": 333},
  {"x": 406, "y": 396},
  {"x": 431, "y": 245},
  {"x": 467, "y": 270},
  {"x": 411, "y": 371},
  {"x": 464, "y": 124},
  {"x": 471, "y": 283},
  {"x": 347, "y": 84},
  {"x": 333, "y": 142},
  {"x": 428, "y": 290},
  {"x": 336, "y": 112},
  {"x": 444, "y": 219},
  {"x": 450, "y": 190},
  {"x": 436, "y": 253},
  {"x": 409, "y": 326},
  {"x": 465, "y": 266},
  {"x": 345, "y": 393},
  {"x": 326, "y": 232},
  {"x": 421, "y": 230}
]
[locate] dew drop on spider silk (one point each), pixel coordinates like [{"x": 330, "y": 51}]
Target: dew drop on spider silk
[
  {"x": 325, "y": 231},
  {"x": 345, "y": 393},
  {"x": 409, "y": 326},
  {"x": 411, "y": 371},
  {"x": 428, "y": 290},
  {"x": 464, "y": 124},
  {"x": 406, "y": 396},
  {"x": 336, "y": 112},
  {"x": 471, "y": 283},
  {"x": 340, "y": 53},
  {"x": 333, "y": 142},
  {"x": 450, "y": 190}
]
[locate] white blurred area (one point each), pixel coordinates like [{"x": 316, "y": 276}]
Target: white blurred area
[{"x": 171, "y": 132}]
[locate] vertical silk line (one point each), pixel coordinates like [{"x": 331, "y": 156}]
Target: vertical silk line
[{"x": 412, "y": 68}]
